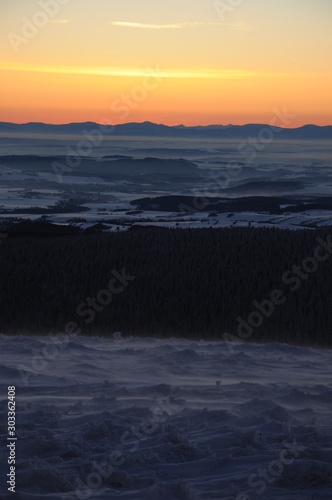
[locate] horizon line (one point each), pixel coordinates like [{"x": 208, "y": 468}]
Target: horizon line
[{"x": 164, "y": 125}]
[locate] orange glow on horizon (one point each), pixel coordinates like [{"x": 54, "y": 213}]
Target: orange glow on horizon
[
  {"x": 54, "y": 95},
  {"x": 174, "y": 64}
]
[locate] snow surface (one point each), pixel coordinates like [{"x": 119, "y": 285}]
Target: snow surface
[{"x": 188, "y": 420}]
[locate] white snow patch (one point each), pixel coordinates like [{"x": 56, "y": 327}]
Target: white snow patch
[{"x": 188, "y": 420}]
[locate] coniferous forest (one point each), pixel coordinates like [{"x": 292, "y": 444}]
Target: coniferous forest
[{"x": 244, "y": 284}]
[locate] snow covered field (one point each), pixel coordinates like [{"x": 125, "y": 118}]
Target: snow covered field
[
  {"x": 101, "y": 187},
  {"x": 167, "y": 419}
]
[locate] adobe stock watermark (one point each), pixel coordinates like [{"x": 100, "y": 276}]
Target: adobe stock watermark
[
  {"x": 87, "y": 310},
  {"x": 102, "y": 472},
  {"x": 49, "y": 9},
  {"x": 266, "y": 135},
  {"x": 293, "y": 279},
  {"x": 128, "y": 102},
  {"x": 92, "y": 139},
  {"x": 249, "y": 149},
  {"x": 225, "y": 7},
  {"x": 268, "y": 475}
]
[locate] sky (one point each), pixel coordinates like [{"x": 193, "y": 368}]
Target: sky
[{"x": 191, "y": 62}]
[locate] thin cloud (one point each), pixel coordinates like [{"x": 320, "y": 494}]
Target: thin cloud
[
  {"x": 194, "y": 73},
  {"x": 59, "y": 21},
  {"x": 240, "y": 26}
]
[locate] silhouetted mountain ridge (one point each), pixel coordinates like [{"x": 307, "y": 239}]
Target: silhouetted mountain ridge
[{"x": 159, "y": 130}]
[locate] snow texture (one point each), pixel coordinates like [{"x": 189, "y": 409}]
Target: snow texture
[{"x": 167, "y": 419}]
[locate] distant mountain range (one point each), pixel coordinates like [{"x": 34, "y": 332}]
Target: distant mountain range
[{"x": 154, "y": 130}]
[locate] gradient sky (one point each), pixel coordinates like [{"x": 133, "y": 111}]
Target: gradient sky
[{"x": 94, "y": 59}]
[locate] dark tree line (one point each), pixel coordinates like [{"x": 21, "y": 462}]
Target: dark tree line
[{"x": 193, "y": 283}]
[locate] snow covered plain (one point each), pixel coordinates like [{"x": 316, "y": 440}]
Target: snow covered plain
[
  {"x": 102, "y": 186},
  {"x": 167, "y": 419}
]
